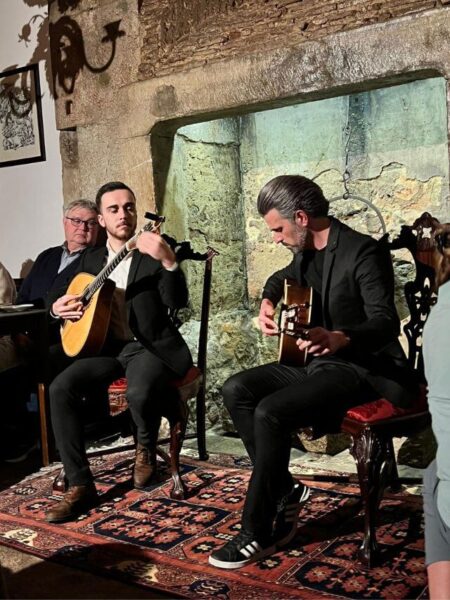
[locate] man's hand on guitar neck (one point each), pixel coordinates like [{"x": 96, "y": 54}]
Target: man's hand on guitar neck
[
  {"x": 320, "y": 341},
  {"x": 150, "y": 242},
  {"x": 68, "y": 307},
  {"x": 266, "y": 318}
]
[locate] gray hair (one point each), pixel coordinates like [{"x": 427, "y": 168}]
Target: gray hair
[
  {"x": 80, "y": 204},
  {"x": 290, "y": 193}
]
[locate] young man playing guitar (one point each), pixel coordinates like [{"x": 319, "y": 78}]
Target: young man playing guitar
[
  {"x": 352, "y": 348},
  {"x": 142, "y": 344}
]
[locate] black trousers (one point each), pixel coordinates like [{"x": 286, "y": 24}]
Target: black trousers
[
  {"x": 267, "y": 404},
  {"x": 80, "y": 383}
]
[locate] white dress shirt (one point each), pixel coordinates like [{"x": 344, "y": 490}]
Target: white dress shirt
[{"x": 119, "y": 321}]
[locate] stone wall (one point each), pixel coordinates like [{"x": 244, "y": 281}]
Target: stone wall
[
  {"x": 179, "y": 63},
  {"x": 392, "y": 142},
  {"x": 180, "y": 35}
]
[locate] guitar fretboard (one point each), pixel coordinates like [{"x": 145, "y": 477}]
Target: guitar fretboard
[{"x": 109, "y": 268}]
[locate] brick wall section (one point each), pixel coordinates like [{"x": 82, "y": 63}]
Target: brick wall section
[{"x": 180, "y": 34}]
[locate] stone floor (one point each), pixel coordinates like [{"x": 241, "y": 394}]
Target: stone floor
[{"x": 29, "y": 577}]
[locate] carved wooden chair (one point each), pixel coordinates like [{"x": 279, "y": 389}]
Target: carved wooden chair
[
  {"x": 373, "y": 425},
  {"x": 192, "y": 385}
]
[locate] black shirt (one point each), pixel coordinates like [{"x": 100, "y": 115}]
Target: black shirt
[{"x": 312, "y": 267}]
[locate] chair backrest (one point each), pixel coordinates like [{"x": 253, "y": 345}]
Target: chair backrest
[
  {"x": 184, "y": 252},
  {"x": 420, "y": 294}
]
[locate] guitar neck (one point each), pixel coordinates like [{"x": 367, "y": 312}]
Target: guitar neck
[
  {"x": 104, "y": 274},
  {"x": 97, "y": 283}
]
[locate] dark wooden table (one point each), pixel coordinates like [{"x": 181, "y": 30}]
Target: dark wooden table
[{"x": 34, "y": 323}]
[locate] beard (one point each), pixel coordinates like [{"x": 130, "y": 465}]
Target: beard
[
  {"x": 301, "y": 239},
  {"x": 125, "y": 234}
]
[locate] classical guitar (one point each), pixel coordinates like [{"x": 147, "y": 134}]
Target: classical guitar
[
  {"x": 87, "y": 335},
  {"x": 294, "y": 320}
]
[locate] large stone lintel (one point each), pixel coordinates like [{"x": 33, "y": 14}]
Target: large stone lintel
[{"x": 404, "y": 49}]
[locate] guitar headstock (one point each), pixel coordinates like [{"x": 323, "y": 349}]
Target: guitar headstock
[
  {"x": 154, "y": 219},
  {"x": 155, "y": 222}
]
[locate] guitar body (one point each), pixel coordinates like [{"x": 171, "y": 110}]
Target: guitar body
[
  {"x": 295, "y": 318},
  {"x": 87, "y": 336}
]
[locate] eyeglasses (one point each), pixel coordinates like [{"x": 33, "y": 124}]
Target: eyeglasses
[{"x": 91, "y": 223}]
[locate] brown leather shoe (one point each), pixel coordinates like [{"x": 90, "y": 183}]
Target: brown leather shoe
[
  {"x": 77, "y": 500},
  {"x": 144, "y": 466}
]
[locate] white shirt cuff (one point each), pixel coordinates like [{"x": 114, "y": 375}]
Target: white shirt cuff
[{"x": 174, "y": 267}]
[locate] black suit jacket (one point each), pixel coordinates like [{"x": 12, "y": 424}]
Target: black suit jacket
[
  {"x": 358, "y": 298},
  {"x": 151, "y": 292},
  {"x": 42, "y": 281},
  {"x": 44, "y": 276}
]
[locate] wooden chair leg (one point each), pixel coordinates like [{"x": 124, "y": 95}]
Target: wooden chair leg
[
  {"x": 201, "y": 424},
  {"x": 44, "y": 420},
  {"x": 178, "y": 491},
  {"x": 177, "y": 432},
  {"x": 370, "y": 453}
]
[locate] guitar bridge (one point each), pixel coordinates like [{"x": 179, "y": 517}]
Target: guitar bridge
[
  {"x": 292, "y": 319},
  {"x": 294, "y": 322}
]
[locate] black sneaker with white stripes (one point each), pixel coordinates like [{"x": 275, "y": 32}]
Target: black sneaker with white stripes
[
  {"x": 285, "y": 525},
  {"x": 244, "y": 548}
]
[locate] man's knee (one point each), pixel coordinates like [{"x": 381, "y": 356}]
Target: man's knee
[
  {"x": 233, "y": 391},
  {"x": 268, "y": 417},
  {"x": 139, "y": 397},
  {"x": 59, "y": 395},
  {"x": 56, "y": 389},
  {"x": 265, "y": 415}
]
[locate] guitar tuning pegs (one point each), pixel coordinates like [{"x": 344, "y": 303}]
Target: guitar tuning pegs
[{"x": 154, "y": 217}]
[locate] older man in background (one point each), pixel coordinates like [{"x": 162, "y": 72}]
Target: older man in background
[
  {"x": 53, "y": 268},
  {"x": 56, "y": 266}
]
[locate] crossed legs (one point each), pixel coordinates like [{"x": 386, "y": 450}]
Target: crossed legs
[{"x": 266, "y": 404}]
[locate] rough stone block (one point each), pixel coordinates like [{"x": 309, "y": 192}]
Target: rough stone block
[
  {"x": 332, "y": 443},
  {"x": 418, "y": 450}
]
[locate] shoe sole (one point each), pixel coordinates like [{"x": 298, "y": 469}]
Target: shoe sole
[
  {"x": 74, "y": 515},
  {"x": 64, "y": 520},
  {"x": 138, "y": 487},
  {"x": 222, "y": 564},
  {"x": 290, "y": 536},
  {"x": 145, "y": 485},
  {"x": 151, "y": 481}
]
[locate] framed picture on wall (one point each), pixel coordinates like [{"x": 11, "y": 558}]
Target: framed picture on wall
[{"x": 21, "y": 129}]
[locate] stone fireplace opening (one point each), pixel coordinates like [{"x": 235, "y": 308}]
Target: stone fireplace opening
[{"x": 391, "y": 142}]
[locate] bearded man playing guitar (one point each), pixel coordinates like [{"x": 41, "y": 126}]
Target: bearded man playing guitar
[
  {"x": 353, "y": 353},
  {"x": 142, "y": 344}
]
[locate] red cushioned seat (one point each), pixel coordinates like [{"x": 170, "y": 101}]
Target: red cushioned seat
[
  {"x": 187, "y": 386},
  {"x": 381, "y": 409},
  {"x": 190, "y": 377},
  {"x": 120, "y": 385},
  {"x": 117, "y": 396}
]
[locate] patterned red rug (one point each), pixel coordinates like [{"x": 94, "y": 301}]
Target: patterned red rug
[{"x": 150, "y": 540}]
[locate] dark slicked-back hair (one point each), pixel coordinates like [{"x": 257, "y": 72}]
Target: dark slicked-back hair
[
  {"x": 289, "y": 193},
  {"x": 112, "y": 186}
]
